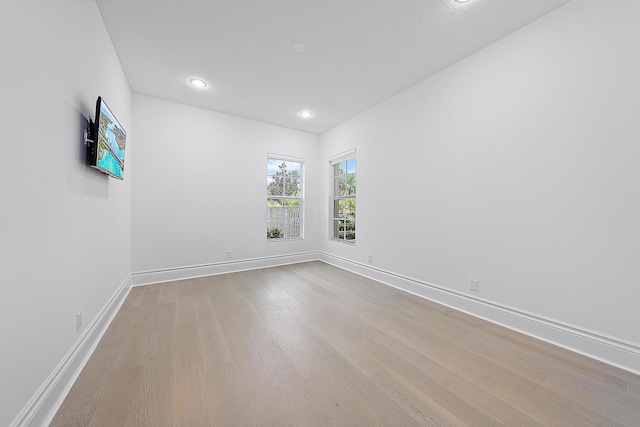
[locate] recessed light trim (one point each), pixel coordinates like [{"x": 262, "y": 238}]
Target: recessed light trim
[
  {"x": 298, "y": 47},
  {"x": 305, "y": 114},
  {"x": 462, "y": 1},
  {"x": 199, "y": 83}
]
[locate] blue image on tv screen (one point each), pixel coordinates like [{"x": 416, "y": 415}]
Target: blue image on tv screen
[{"x": 111, "y": 143}]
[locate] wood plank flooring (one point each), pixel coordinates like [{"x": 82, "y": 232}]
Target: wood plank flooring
[{"x": 313, "y": 345}]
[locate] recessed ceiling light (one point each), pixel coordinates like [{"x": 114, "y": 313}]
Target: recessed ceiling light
[
  {"x": 198, "y": 83},
  {"x": 305, "y": 114},
  {"x": 462, "y": 1},
  {"x": 298, "y": 47}
]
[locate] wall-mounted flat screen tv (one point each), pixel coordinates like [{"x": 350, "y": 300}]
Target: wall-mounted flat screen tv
[{"x": 109, "y": 140}]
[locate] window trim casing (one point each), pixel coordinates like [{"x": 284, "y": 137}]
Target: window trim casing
[
  {"x": 286, "y": 158},
  {"x": 333, "y": 160}
]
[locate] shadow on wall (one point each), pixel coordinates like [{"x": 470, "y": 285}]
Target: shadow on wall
[{"x": 81, "y": 179}]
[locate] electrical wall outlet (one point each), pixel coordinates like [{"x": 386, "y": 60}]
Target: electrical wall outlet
[
  {"x": 78, "y": 321},
  {"x": 228, "y": 254},
  {"x": 474, "y": 285},
  {"x": 370, "y": 259}
]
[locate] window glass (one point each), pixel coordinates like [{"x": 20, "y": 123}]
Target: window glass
[
  {"x": 344, "y": 200},
  {"x": 284, "y": 199}
]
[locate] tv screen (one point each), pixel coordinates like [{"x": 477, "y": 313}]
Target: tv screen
[{"x": 109, "y": 141}]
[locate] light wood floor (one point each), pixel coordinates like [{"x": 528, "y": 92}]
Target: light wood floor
[{"x": 311, "y": 344}]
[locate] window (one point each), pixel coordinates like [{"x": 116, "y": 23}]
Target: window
[
  {"x": 344, "y": 200},
  {"x": 284, "y": 198}
]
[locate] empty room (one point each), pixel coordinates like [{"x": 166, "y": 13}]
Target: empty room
[{"x": 338, "y": 212}]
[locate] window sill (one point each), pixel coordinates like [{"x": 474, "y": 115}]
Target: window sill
[{"x": 343, "y": 241}]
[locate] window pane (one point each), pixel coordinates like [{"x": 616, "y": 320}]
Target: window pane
[
  {"x": 342, "y": 168},
  {"x": 275, "y": 223},
  {"x": 345, "y": 208},
  {"x": 294, "y": 167},
  {"x": 275, "y": 186},
  {"x": 351, "y": 184},
  {"x": 273, "y": 203},
  {"x": 275, "y": 231},
  {"x": 351, "y": 166},
  {"x": 293, "y": 202},
  {"x": 349, "y": 227},
  {"x": 292, "y": 187},
  {"x": 275, "y": 220},
  {"x": 351, "y": 208},
  {"x": 293, "y": 228},
  {"x": 343, "y": 188},
  {"x": 272, "y": 166}
]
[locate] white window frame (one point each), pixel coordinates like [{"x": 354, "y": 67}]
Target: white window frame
[
  {"x": 334, "y": 199},
  {"x": 301, "y": 217}
]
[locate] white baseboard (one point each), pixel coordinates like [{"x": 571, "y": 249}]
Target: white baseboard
[
  {"x": 43, "y": 406},
  {"x": 190, "y": 272},
  {"x": 608, "y": 349}
]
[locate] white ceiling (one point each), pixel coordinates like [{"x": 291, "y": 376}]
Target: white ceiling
[{"x": 357, "y": 52}]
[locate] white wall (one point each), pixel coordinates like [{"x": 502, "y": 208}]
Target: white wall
[
  {"x": 64, "y": 228},
  {"x": 518, "y": 167},
  {"x": 200, "y": 186}
]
